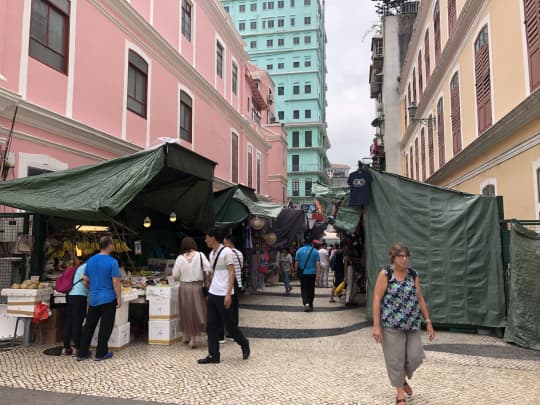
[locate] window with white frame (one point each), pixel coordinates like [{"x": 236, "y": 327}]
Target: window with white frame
[
  {"x": 295, "y": 187},
  {"x": 250, "y": 165},
  {"x": 219, "y": 59},
  {"x": 258, "y": 173},
  {"x": 186, "y": 117},
  {"x": 186, "y": 19},
  {"x": 234, "y": 158},
  {"x": 234, "y": 81}
]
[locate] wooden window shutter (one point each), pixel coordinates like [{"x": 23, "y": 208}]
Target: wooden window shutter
[
  {"x": 411, "y": 163},
  {"x": 532, "y": 27},
  {"x": 437, "y": 32},
  {"x": 483, "y": 80},
  {"x": 452, "y": 14},
  {"x": 409, "y": 93},
  {"x": 420, "y": 79},
  {"x": 423, "y": 153},
  {"x": 417, "y": 160},
  {"x": 455, "y": 114},
  {"x": 431, "y": 153},
  {"x": 414, "y": 86},
  {"x": 426, "y": 56},
  {"x": 405, "y": 115},
  {"x": 440, "y": 132}
]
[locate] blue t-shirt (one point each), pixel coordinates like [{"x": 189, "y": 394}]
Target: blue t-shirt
[
  {"x": 306, "y": 261},
  {"x": 100, "y": 269},
  {"x": 79, "y": 288},
  {"x": 360, "y": 187}
]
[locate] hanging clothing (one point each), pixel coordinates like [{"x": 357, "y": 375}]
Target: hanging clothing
[{"x": 359, "y": 182}]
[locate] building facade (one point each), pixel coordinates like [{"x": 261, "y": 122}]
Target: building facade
[
  {"x": 338, "y": 173},
  {"x": 470, "y": 112},
  {"x": 152, "y": 69},
  {"x": 287, "y": 38}
]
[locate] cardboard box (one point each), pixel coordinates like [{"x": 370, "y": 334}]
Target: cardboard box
[
  {"x": 163, "y": 332},
  {"x": 56, "y": 319},
  {"x": 22, "y": 302},
  {"x": 163, "y": 308},
  {"x": 48, "y": 336},
  {"x": 119, "y": 337},
  {"x": 153, "y": 292}
]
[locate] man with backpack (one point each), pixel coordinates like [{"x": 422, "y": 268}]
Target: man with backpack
[
  {"x": 103, "y": 274},
  {"x": 307, "y": 264}
]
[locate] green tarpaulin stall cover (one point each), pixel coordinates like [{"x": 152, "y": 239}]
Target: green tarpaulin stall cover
[
  {"x": 524, "y": 288},
  {"x": 454, "y": 240},
  {"x": 156, "y": 181}
]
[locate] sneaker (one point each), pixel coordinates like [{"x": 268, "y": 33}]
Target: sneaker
[
  {"x": 208, "y": 360},
  {"x": 229, "y": 338},
  {"x": 306, "y": 308},
  {"x": 67, "y": 351},
  {"x": 108, "y": 355},
  {"x": 74, "y": 350},
  {"x": 222, "y": 341},
  {"x": 246, "y": 351},
  {"x": 86, "y": 357}
]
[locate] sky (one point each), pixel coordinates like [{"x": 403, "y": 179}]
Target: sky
[{"x": 348, "y": 56}]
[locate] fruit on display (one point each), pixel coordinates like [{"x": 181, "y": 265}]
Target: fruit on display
[{"x": 15, "y": 286}]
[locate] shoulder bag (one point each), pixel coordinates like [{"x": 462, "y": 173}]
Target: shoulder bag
[{"x": 301, "y": 268}]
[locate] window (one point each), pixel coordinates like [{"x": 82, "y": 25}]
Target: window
[
  {"x": 416, "y": 159},
  {"x": 253, "y": 44},
  {"x": 186, "y": 111},
  {"x": 295, "y": 163},
  {"x": 35, "y": 171},
  {"x": 219, "y": 59},
  {"x": 253, "y": 25},
  {"x": 307, "y": 113},
  {"x": 295, "y": 139},
  {"x": 270, "y": 23},
  {"x": 49, "y": 33},
  {"x": 292, "y": 3},
  {"x": 440, "y": 132},
  {"x": 452, "y": 14},
  {"x": 281, "y": 115},
  {"x": 307, "y": 184},
  {"x": 264, "y": 5},
  {"x": 307, "y": 2},
  {"x": 307, "y": 63},
  {"x": 423, "y": 153},
  {"x": 455, "y": 114},
  {"x": 308, "y": 135},
  {"x": 281, "y": 22},
  {"x": 270, "y": 5},
  {"x": 431, "y": 154},
  {"x": 186, "y": 19},
  {"x": 227, "y": 9},
  {"x": 406, "y": 165},
  {"x": 307, "y": 88},
  {"x": 307, "y": 20},
  {"x": 281, "y": 42},
  {"x": 414, "y": 85},
  {"x": 137, "y": 84},
  {"x": 269, "y": 66},
  {"x": 253, "y": 6},
  {"x": 296, "y": 64},
  {"x": 489, "y": 190},
  {"x": 307, "y": 40},
  {"x": 292, "y": 21},
  {"x": 411, "y": 173},
  {"x": 532, "y": 27},
  {"x": 538, "y": 183},
  {"x": 281, "y": 65},
  {"x": 250, "y": 166},
  {"x": 281, "y": 4},
  {"x": 295, "y": 187},
  {"x": 281, "y": 90},
  {"x": 420, "y": 79},
  {"x": 437, "y": 32},
  {"x": 483, "y": 80},
  {"x": 269, "y": 43},
  {"x": 296, "y": 40},
  {"x": 242, "y": 26},
  {"x": 296, "y": 114},
  {"x": 258, "y": 173},
  {"x": 296, "y": 89},
  {"x": 234, "y": 78},
  {"x": 426, "y": 56},
  {"x": 242, "y": 8},
  {"x": 234, "y": 155}
]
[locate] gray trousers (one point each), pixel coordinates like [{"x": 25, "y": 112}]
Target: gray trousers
[{"x": 403, "y": 354}]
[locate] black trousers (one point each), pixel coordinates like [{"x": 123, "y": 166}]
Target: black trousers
[
  {"x": 307, "y": 285},
  {"x": 235, "y": 307},
  {"x": 73, "y": 320},
  {"x": 217, "y": 316},
  {"x": 105, "y": 315}
]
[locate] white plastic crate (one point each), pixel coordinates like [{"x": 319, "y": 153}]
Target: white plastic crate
[
  {"x": 163, "y": 332},
  {"x": 22, "y": 302},
  {"x": 119, "y": 337}
]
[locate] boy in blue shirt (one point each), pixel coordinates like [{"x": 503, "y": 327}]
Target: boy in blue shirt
[{"x": 307, "y": 263}]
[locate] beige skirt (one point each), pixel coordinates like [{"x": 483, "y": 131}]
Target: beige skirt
[{"x": 192, "y": 309}]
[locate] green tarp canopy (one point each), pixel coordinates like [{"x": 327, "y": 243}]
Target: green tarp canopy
[
  {"x": 454, "y": 240},
  {"x": 524, "y": 288},
  {"x": 149, "y": 183},
  {"x": 234, "y": 204}
]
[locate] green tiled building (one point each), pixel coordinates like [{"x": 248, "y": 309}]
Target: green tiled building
[{"x": 288, "y": 39}]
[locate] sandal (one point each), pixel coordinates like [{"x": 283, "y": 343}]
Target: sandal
[
  {"x": 407, "y": 388},
  {"x": 332, "y": 300},
  {"x": 401, "y": 401}
]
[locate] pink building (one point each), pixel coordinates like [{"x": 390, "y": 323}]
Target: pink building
[{"x": 97, "y": 79}]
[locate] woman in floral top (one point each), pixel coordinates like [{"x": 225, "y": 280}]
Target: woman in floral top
[{"x": 398, "y": 308}]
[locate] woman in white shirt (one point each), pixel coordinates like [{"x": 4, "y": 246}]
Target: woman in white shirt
[{"x": 190, "y": 268}]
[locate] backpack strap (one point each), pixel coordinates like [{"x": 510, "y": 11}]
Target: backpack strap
[
  {"x": 413, "y": 273},
  {"x": 388, "y": 272}
]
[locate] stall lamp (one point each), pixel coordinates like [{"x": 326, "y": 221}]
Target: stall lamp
[
  {"x": 147, "y": 223},
  {"x": 172, "y": 217},
  {"x": 78, "y": 251}
]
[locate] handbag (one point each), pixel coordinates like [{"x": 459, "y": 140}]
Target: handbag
[
  {"x": 300, "y": 268},
  {"x": 204, "y": 287}
]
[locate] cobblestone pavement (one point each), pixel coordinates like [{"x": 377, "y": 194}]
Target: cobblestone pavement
[{"x": 324, "y": 357}]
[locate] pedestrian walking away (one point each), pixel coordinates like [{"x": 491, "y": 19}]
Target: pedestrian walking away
[
  {"x": 238, "y": 259},
  {"x": 398, "y": 308},
  {"x": 190, "y": 268},
  {"x": 219, "y": 309},
  {"x": 284, "y": 260},
  {"x": 325, "y": 265},
  {"x": 105, "y": 296},
  {"x": 338, "y": 265},
  {"x": 307, "y": 264}
]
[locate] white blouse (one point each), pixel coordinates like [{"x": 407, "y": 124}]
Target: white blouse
[{"x": 189, "y": 269}]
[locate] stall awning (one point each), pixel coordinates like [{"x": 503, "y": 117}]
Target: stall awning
[
  {"x": 234, "y": 204},
  {"x": 160, "y": 180}
]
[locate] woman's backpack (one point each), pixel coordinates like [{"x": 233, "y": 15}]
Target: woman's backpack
[{"x": 64, "y": 283}]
